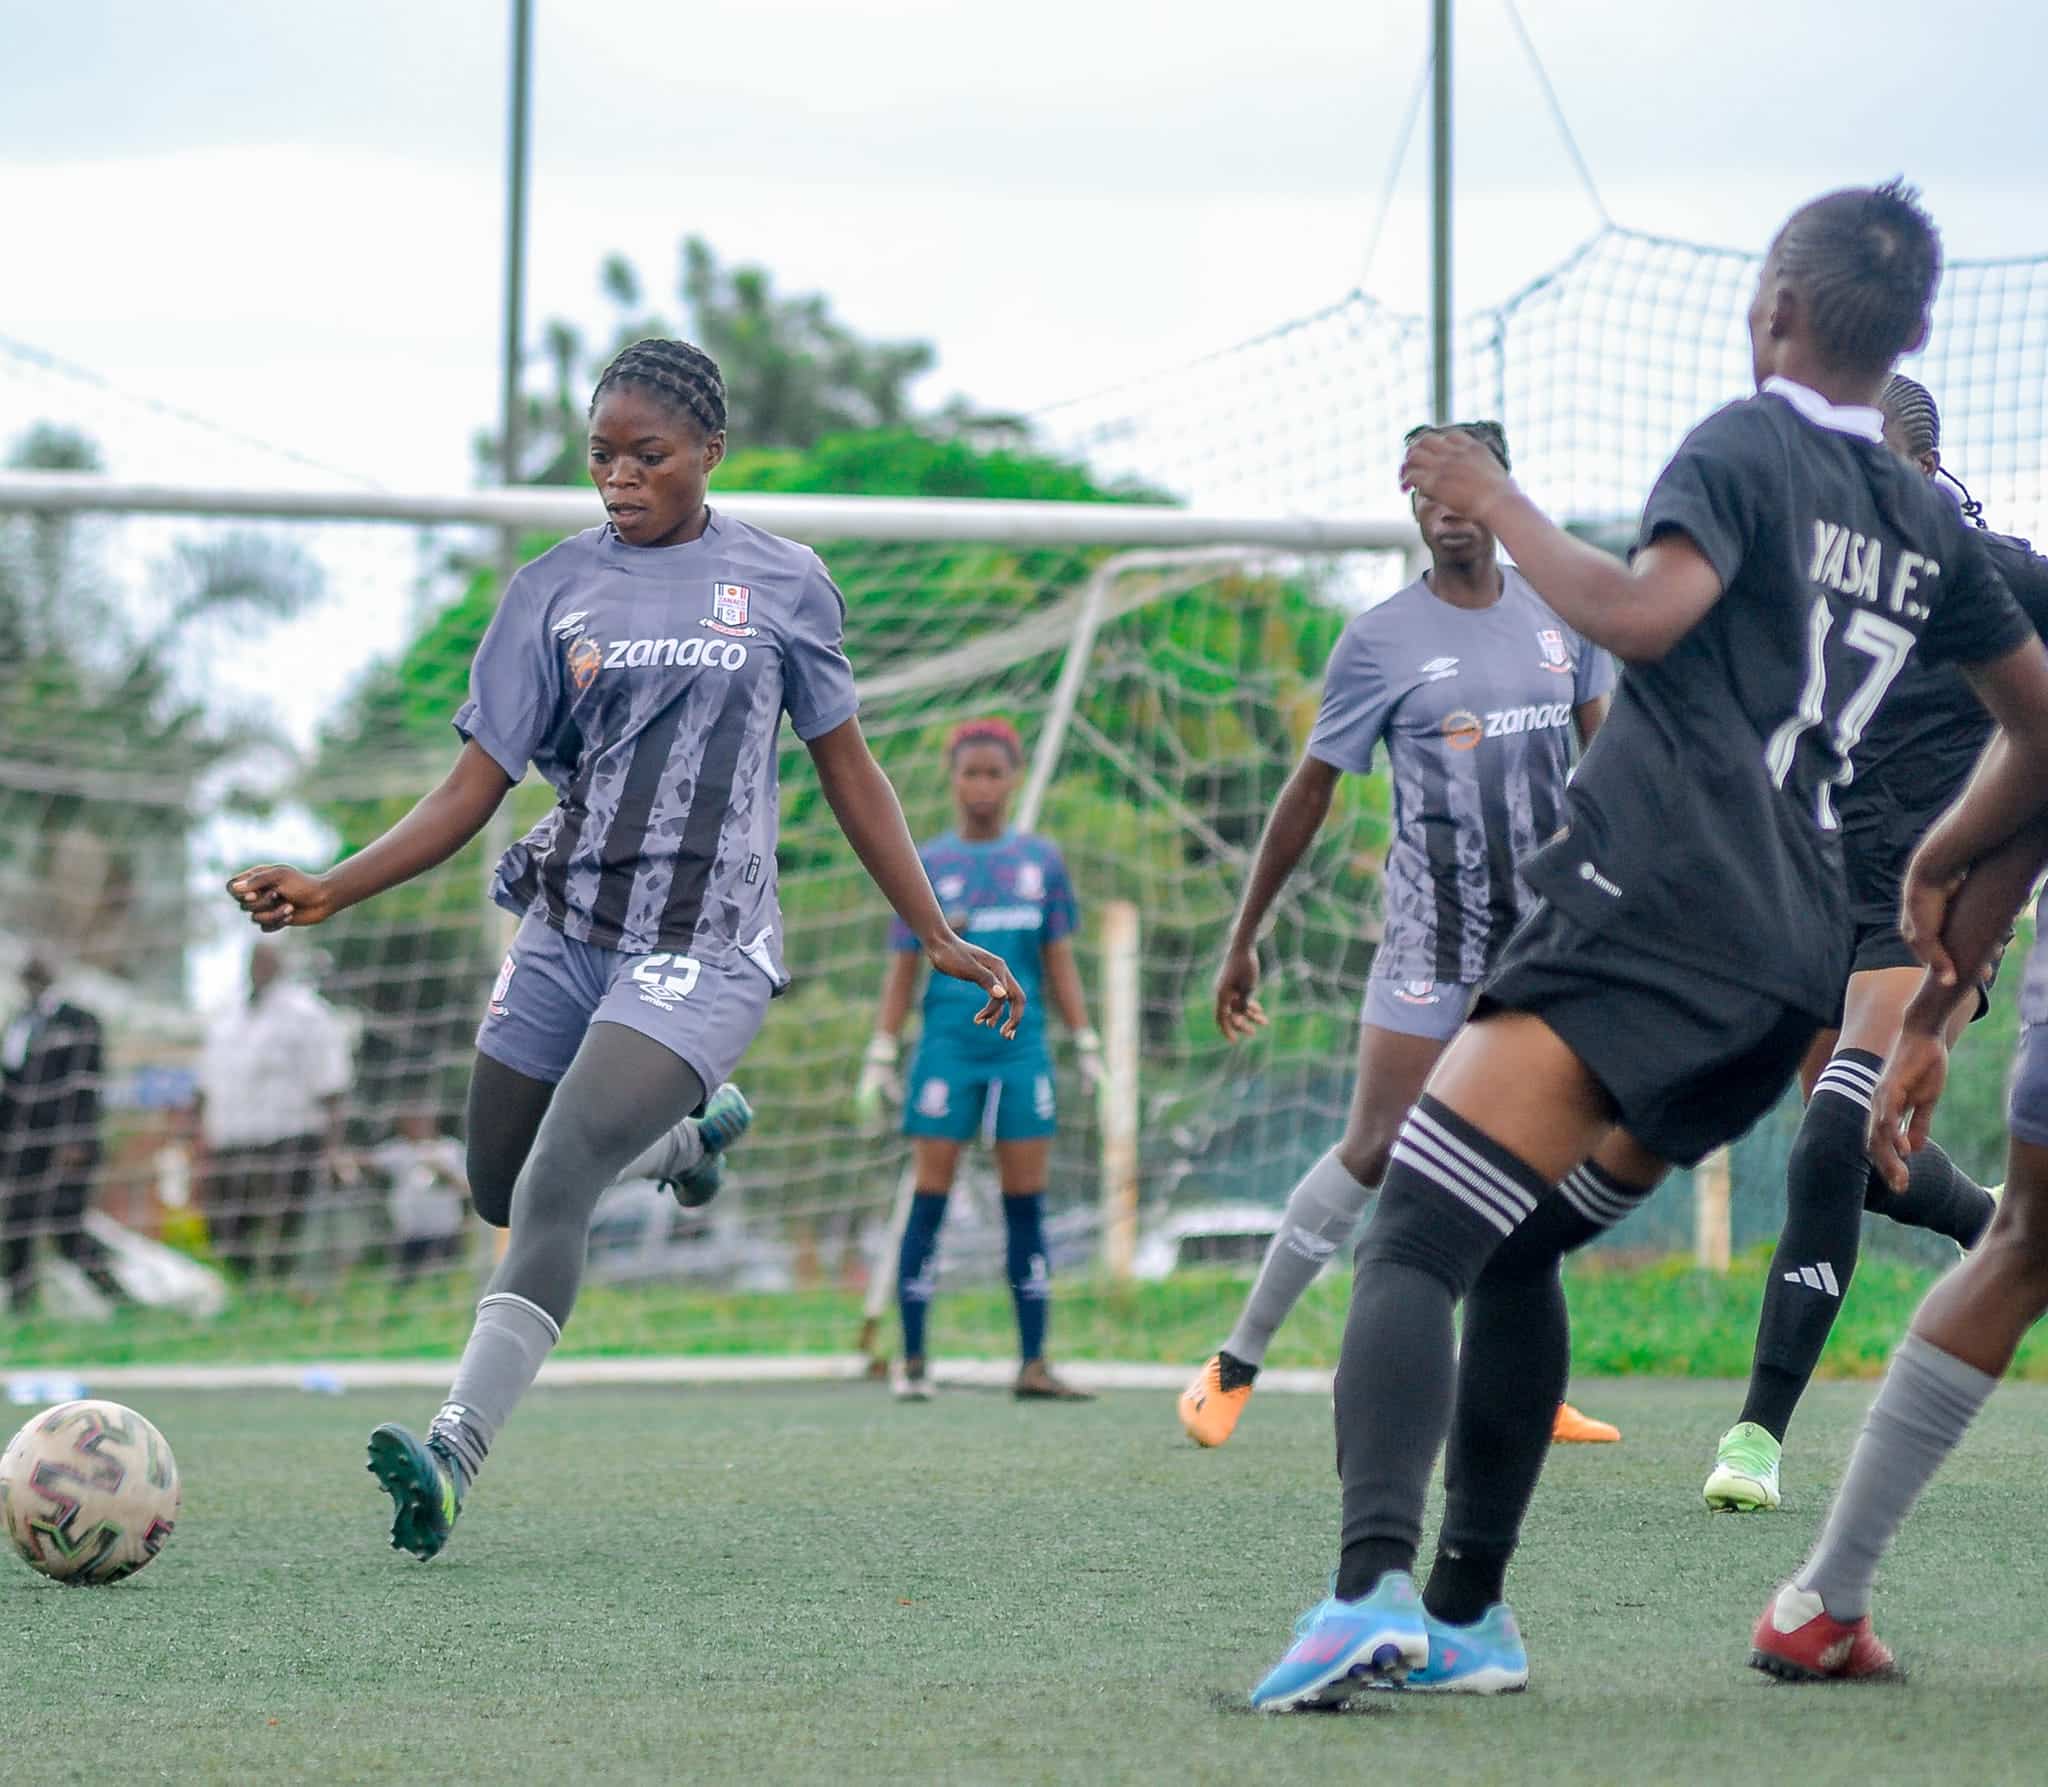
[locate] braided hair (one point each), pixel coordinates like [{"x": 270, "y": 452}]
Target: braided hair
[
  {"x": 1910, "y": 407},
  {"x": 1490, "y": 435},
  {"x": 1866, "y": 261},
  {"x": 679, "y": 374},
  {"x": 1909, "y": 404},
  {"x": 985, "y": 732}
]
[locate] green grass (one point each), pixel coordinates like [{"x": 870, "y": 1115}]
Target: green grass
[
  {"x": 1663, "y": 1319},
  {"x": 813, "y": 1584}
]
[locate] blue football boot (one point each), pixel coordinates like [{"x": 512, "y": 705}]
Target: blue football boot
[{"x": 1341, "y": 1647}]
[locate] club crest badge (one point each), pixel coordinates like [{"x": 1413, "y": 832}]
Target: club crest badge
[
  {"x": 730, "y": 603},
  {"x": 585, "y": 659},
  {"x": 1555, "y": 657}
]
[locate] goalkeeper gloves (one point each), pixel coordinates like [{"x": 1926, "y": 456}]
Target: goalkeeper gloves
[
  {"x": 879, "y": 1083},
  {"x": 1088, "y": 1058}
]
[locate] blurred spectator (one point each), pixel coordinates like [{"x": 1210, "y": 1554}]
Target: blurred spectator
[
  {"x": 428, "y": 1191},
  {"x": 271, "y": 1078},
  {"x": 50, "y": 1071}
]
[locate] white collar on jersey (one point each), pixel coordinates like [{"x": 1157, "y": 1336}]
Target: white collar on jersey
[{"x": 1865, "y": 424}]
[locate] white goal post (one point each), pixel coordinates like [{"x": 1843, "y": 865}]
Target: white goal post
[{"x": 807, "y": 518}]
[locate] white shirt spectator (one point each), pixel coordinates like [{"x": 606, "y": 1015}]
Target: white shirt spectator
[
  {"x": 268, "y": 1064},
  {"x": 429, "y": 1195}
]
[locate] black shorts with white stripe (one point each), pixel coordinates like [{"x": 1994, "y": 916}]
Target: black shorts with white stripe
[
  {"x": 1688, "y": 1060},
  {"x": 1879, "y": 946}
]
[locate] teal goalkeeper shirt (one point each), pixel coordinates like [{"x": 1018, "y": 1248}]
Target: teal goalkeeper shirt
[{"x": 1010, "y": 895}]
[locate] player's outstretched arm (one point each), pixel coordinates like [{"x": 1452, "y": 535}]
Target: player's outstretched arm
[
  {"x": 275, "y": 895},
  {"x": 870, "y": 815},
  {"x": 1298, "y": 815},
  {"x": 1638, "y": 611}
]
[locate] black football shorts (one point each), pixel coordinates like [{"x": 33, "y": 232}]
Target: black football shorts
[
  {"x": 1689, "y": 1060},
  {"x": 1878, "y": 946}
]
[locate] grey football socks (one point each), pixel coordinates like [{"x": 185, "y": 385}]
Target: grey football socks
[
  {"x": 511, "y": 1340},
  {"x": 673, "y": 1153},
  {"x": 1923, "y": 1408},
  {"x": 1322, "y": 1211}
]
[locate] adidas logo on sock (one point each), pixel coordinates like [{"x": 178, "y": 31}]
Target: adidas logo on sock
[{"x": 1816, "y": 1278}]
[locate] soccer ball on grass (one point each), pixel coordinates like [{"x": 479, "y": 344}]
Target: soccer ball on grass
[{"x": 88, "y": 1492}]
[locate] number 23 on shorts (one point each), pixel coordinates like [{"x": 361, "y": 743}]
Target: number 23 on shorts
[{"x": 665, "y": 979}]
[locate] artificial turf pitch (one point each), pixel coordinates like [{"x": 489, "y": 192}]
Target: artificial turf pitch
[{"x": 804, "y": 1583}]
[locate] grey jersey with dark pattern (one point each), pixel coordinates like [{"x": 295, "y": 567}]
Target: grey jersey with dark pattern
[
  {"x": 1475, "y": 709},
  {"x": 648, "y": 685}
]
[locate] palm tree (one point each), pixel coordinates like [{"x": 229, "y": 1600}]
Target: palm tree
[{"x": 794, "y": 373}]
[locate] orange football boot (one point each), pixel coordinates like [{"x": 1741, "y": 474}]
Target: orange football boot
[
  {"x": 1574, "y": 1429},
  {"x": 1207, "y": 1410}
]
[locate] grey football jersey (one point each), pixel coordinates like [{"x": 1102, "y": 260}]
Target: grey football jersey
[
  {"x": 648, "y": 685},
  {"x": 1475, "y": 708}
]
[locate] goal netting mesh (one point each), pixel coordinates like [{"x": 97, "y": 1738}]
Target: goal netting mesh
[{"x": 180, "y": 697}]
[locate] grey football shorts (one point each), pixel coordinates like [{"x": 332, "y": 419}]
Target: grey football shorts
[
  {"x": 1433, "y": 1008},
  {"x": 2027, "y": 1095},
  {"x": 552, "y": 988}
]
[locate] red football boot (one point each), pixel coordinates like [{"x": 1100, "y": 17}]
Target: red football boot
[{"x": 1798, "y": 1640}]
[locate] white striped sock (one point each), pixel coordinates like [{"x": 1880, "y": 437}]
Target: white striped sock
[{"x": 1456, "y": 1167}]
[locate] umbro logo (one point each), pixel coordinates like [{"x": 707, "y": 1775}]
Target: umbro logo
[
  {"x": 1437, "y": 669},
  {"x": 1816, "y": 1278},
  {"x": 570, "y": 624}
]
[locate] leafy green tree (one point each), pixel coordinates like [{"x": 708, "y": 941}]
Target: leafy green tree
[{"x": 794, "y": 372}]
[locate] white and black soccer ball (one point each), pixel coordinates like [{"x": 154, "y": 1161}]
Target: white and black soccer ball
[{"x": 88, "y": 1492}]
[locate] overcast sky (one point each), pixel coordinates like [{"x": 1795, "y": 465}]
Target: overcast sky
[{"x": 288, "y": 217}]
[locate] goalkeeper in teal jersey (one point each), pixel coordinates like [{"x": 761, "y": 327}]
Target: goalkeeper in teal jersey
[{"x": 994, "y": 882}]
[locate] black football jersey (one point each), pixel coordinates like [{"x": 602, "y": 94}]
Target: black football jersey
[
  {"x": 1703, "y": 822},
  {"x": 1920, "y": 749}
]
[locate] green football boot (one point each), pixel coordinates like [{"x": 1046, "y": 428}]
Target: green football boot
[
  {"x": 1744, "y": 1479},
  {"x": 424, "y": 1486},
  {"x": 727, "y": 1117}
]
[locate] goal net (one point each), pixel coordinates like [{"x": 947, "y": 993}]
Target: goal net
[
  {"x": 1163, "y": 689},
  {"x": 270, "y": 676}
]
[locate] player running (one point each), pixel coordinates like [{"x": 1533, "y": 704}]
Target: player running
[
  {"x": 643, "y": 668},
  {"x": 1010, "y": 888},
  {"x": 1475, "y": 688},
  {"x": 1687, "y": 943},
  {"x": 1963, "y": 888},
  {"x": 1910, "y": 764}
]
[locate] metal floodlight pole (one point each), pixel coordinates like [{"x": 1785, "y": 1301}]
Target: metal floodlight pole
[
  {"x": 510, "y": 416},
  {"x": 1440, "y": 217}
]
